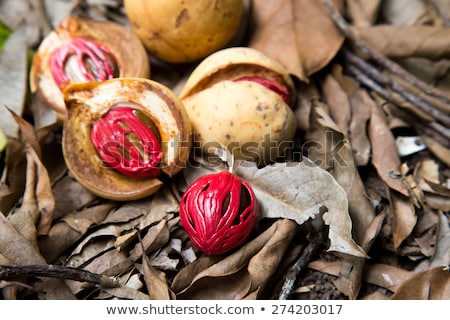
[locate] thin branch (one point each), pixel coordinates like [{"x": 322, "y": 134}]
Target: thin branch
[
  {"x": 307, "y": 254},
  {"x": 8, "y": 272},
  {"x": 379, "y": 57},
  {"x": 383, "y": 79}
]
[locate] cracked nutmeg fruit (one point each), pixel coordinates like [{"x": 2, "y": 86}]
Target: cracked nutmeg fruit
[
  {"x": 83, "y": 50},
  {"x": 240, "y": 98},
  {"x": 121, "y": 135},
  {"x": 184, "y": 31},
  {"x": 218, "y": 212}
]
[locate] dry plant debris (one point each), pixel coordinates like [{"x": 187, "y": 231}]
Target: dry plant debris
[{"x": 357, "y": 209}]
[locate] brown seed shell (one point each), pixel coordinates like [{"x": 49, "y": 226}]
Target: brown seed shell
[
  {"x": 88, "y": 102},
  {"x": 129, "y": 53}
]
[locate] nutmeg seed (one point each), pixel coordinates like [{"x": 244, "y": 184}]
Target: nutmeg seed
[
  {"x": 240, "y": 98},
  {"x": 218, "y": 212},
  {"x": 184, "y": 31}
]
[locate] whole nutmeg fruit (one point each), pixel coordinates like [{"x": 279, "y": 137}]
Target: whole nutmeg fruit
[
  {"x": 240, "y": 98},
  {"x": 83, "y": 50},
  {"x": 183, "y": 31},
  {"x": 218, "y": 212},
  {"x": 122, "y": 134}
]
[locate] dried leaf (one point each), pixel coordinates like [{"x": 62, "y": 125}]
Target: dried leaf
[
  {"x": 155, "y": 281},
  {"x": 405, "y": 217},
  {"x": 13, "y": 176},
  {"x": 338, "y": 103},
  {"x": 13, "y": 81},
  {"x": 332, "y": 151},
  {"x": 30, "y": 14},
  {"x": 408, "y": 41},
  {"x": 299, "y": 34},
  {"x": 127, "y": 293},
  {"x": 70, "y": 229},
  {"x": 361, "y": 104},
  {"x": 432, "y": 284},
  {"x": 409, "y": 12},
  {"x": 155, "y": 238},
  {"x": 385, "y": 157},
  {"x": 19, "y": 251},
  {"x": 200, "y": 278},
  {"x": 300, "y": 191},
  {"x": 363, "y": 12},
  {"x": 441, "y": 152},
  {"x": 441, "y": 255},
  {"x": 70, "y": 196},
  {"x": 387, "y": 276}
]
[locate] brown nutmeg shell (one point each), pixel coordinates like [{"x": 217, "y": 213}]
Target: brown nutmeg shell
[
  {"x": 88, "y": 102},
  {"x": 129, "y": 55}
]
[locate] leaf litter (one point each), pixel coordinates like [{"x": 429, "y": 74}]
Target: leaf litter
[{"x": 344, "y": 214}]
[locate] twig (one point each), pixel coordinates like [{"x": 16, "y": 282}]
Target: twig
[
  {"x": 10, "y": 272},
  {"x": 305, "y": 257},
  {"x": 379, "y": 57},
  {"x": 398, "y": 88}
]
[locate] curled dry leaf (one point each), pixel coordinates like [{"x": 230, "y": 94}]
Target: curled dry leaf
[
  {"x": 432, "y": 284},
  {"x": 13, "y": 81},
  {"x": 299, "y": 34},
  {"x": 65, "y": 233},
  {"x": 363, "y": 12},
  {"x": 332, "y": 151},
  {"x": 244, "y": 272},
  {"x": 406, "y": 12},
  {"x": 301, "y": 191},
  {"x": 441, "y": 255},
  {"x": 408, "y": 41},
  {"x": 385, "y": 157},
  {"x": 404, "y": 217}
]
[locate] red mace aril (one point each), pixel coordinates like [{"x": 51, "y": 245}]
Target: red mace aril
[
  {"x": 218, "y": 212},
  {"x": 273, "y": 85},
  {"x": 126, "y": 143},
  {"x": 94, "y": 62}
]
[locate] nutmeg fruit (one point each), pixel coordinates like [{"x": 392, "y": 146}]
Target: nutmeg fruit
[
  {"x": 81, "y": 50},
  {"x": 184, "y": 31},
  {"x": 218, "y": 212},
  {"x": 240, "y": 98},
  {"x": 120, "y": 135}
]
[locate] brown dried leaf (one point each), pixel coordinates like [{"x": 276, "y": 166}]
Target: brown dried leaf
[
  {"x": 408, "y": 41},
  {"x": 441, "y": 152},
  {"x": 13, "y": 80},
  {"x": 331, "y": 148},
  {"x": 18, "y": 251},
  {"x": 432, "y": 284},
  {"x": 127, "y": 293},
  {"x": 239, "y": 272},
  {"x": 70, "y": 229},
  {"x": 405, "y": 217},
  {"x": 155, "y": 280},
  {"x": 155, "y": 238},
  {"x": 409, "y": 12},
  {"x": 361, "y": 103},
  {"x": 300, "y": 191},
  {"x": 338, "y": 102},
  {"x": 385, "y": 157},
  {"x": 363, "y": 12},
  {"x": 13, "y": 176},
  {"x": 387, "y": 276},
  {"x": 298, "y": 33},
  {"x": 441, "y": 255},
  {"x": 70, "y": 196}
]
